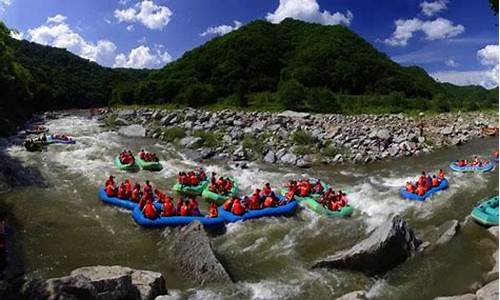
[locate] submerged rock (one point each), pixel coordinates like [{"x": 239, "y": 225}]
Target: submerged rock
[
  {"x": 356, "y": 295},
  {"x": 196, "y": 260},
  {"x": 389, "y": 245},
  {"x": 447, "y": 231}
]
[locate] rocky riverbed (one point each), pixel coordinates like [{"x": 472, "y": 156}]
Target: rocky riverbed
[{"x": 301, "y": 139}]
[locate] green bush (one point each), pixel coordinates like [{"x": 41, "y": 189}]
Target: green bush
[
  {"x": 301, "y": 137},
  {"x": 303, "y": 150},
  {"x": 173, "y": 133},
  {"x": 209, "y": 139}
]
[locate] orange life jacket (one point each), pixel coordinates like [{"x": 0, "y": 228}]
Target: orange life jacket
[
  {"x": 110, "y": 191},
  {"x": 228, "y": 204},
  {"x": 150, "y": 211},
  {"x": 135, "y": 195},
  {"x": 268, "y": 202},
  {"x": 168, "y": 208},
  {"x": 212, "y": 211},
  {"x": 420, "y": 190},
  {"x": 435, "y": 181},
  {"x": 237, "y": 208}
]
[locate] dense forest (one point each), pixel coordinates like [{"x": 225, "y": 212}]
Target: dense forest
[
  {"x": 291, "y": 65},
  {"x": 301, "y": 66}
]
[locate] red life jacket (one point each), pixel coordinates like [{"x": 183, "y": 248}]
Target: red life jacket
[
  {"x": 150, "y": 211},
  {"x": 135, "y": 195},
  {"x": 110, "y": 191},
  {"x": 266, "y": 191},
  {"x": 435, "y": 181},
  {"x": 254, "y": 202},
  {"x": 228, "y": 204},
  {"x": 184, "y": 210},
  {"x": 194, "y": 180},
  {"x": 168, "y": 208},
  {"x": 212, "y": 211},
  {"x": 237, "y": 209},
  {"x": 268, "y": 202}
]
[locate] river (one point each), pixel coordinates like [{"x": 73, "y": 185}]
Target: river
[{"x": 62, "y": 225}]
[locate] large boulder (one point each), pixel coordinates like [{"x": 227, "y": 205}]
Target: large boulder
[
  {"x": 100, "y": 283},
  {"x": 488, "y": 292},
  {"x": 356, "y": 295},
  {"x": 196, "y": 260},
  {"x": 133, "y": 131},
  {"x": 461, "y": 297},
  {"x": 389, "y": 245},
  {"x": 294, "y": 115}
]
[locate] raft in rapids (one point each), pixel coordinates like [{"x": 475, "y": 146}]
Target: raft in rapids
[
  {"x": 412, "y": 196},
  {"x": 122, "y": 203},
  {"x": 483, "y": 168},
  {"x": 282, "y": 210},
  {"x": 53, "y": 140},
  {"x": 316, "y": 207},
  {"x": 193, "y": 190},
  {"x": 162, "y": 222},
  {"x": 125, "y": 167},
  {"x": 218, "y": 198},
  {"x": 149, "y": 165},
  {"x": 486, "y": 212},
  {"x": 312, "y": 196}
]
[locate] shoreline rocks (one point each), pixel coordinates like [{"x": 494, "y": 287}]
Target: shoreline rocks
[
  {"x": 303, "y": 139},
  {"x": 389, "y": 245}
]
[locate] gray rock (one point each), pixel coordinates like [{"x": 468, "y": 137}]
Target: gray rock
[
  {"x": 461, "y": 297},
  {"x": 240, "y": 153},
  {"x": 383, "y": 134},
  {"x": 488, "y": 292},
  {"x": 356, "y": 295},
  {"x": 280, "y": 153},
  {"x": 303, "y": 163},
  {"x": 206, "y": 153},
  {"x": 447, "y": 130},
  {"x": 121, "y": 122},
  {"x": 196, "y": 260},
  {"x": 270, "y": 157},
  {"x": 393, "y": 150},
  {"x": 338, "y": 158},
  {"x": 101, "y": 283},
  {"x": 289, "y": 159},
  {"x": 389, "y": 245},
  {"x": 294, "y": 114},
  {"x": 494, "y": 231},
  {"x": 449, "y": 230},
  {"x": 190, "y": 141},
  {"x": 133, "y": 131}
]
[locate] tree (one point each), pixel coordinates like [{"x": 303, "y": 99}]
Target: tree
[{"x": 292, "y": 94}]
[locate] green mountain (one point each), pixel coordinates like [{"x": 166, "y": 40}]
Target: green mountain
[
  {"x": 291, "y": 65},
  {"x": 36, "y": 78},
  {"x": 294, "y": 65}
]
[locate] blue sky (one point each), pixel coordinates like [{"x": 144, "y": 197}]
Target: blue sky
[{"x": 454, "y": 40}]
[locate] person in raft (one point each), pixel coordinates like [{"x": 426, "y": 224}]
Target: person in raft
[
  {"x": 495, "y": 153},
  {"x": 234, "y": 206},
  {"x": 476, "y": 162},
  {"x": 110, "y": 187},
  {"x": 148, "y": 156},
  {"x": 333, "y": 201},
  {"x": 149, "y": 210},
  {"x": 191, "y": 178},
  {"x": 303, "y": 187},
  {"x": 136, "y": 194},
  {"x": 424, "y": 183},
  {"x": 222, "y": 185},
  {"x": 126, "y": 157}
]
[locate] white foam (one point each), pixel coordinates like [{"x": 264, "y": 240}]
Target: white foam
[{"x": 267, "y": 289}]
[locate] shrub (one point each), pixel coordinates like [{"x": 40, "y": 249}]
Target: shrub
[
  {"x": 208, "y": 139},
  {"x": 173, "y": 133},
  {"x": 301, "y": 137}
]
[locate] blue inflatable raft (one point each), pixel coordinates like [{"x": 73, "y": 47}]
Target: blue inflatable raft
[
  {"x": 162, "y": 222},
  {"x": 411, "y": 196},
  {"x": 282, "y": 210},
  {"x": 127, "y": 204},
  {"x": 52, "y": 140},
  {"x": 484, "y": 168}
]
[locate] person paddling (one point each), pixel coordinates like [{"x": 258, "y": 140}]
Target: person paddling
[
  {"x": 149, "y": 210},
  {"x": 212, "y": 210}
]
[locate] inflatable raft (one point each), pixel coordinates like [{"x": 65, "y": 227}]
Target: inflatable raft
[
  {"x": 52, "y": 140},
  {"x": 218, "y": 198},
  {"x": 411, "y": 196},
  {"x": 190, "y": 190},
  {"x": 311, "y": 196},
  {"x": 149, "y": 165},
  {"x": 313, "y": 205},
  {"x": 126, "y": 204},
  {"x": 162, "y": 222},
  {"x": 484, "y": 168},
  {"x": 37, "y": 131},
  {"x": 486, "y": 212},
  {"x": 130, "y": 167},
  {"x": 282, "y": 210}
]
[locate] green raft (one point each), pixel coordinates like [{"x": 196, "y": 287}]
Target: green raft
[
  {"x": 218, "y": 198},
  {"x": 486, "y": 212},
  {"x": 311, "y": 204},
  {"x": 191, "y": 190},
  {"x": 326, "y": 186},
  {"x": 130, "y": 167},
  {"x": 149, "y": 165}
]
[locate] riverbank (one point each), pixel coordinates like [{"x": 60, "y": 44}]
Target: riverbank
[{"x": 303, "y": 139}]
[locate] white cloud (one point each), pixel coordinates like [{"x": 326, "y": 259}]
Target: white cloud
[
  {"x": 433, "y": 30},
  {"x": 56, "y": 19},
  {"x": 55, "y": 32},
  {"x": 4, "y": 4},
  {"x": 142, "y": 57},
  {"x": 488, "y": 56},
  {"x": 221, "y": 29},
  {"x": 18, "y": 35},
  {"x": 451, "y": 63},
  {"x": 309, "y": 11},
  {"x": 130, "y": 27},
  {"x": 146, "y": 12},
  {"x": 431, "y": 8}
]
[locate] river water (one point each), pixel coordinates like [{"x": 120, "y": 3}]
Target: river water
[{"x": 62, "y": 225}]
